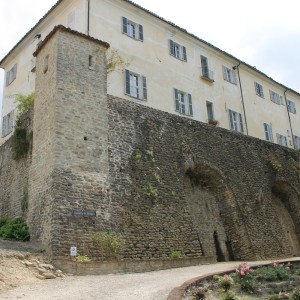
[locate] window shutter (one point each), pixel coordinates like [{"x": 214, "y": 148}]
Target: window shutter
[
  {"x": 271, "y": 133},
  {"x": 184, "y": 53},
  {"x": 7, "y": 78},
  {"x": 281, "y": 100},
  {"x": 144, "y": 82},
  {"x": 224, "y": 74},
  {"x": 127, "y": 82},
  {"x": 141, "y": 33},
  {"x": 241, "y": 123},
  {"x": 171, "y": 46},
  {"x": 233, "y": 77},
  {"x": 3, "y": 126},
  {"x": 231, "y": 119},
  {"x": 11, "y": 121},
  {"x": 266, "y": 131},
  {"x": 124, "y": 24},
  {"x": 190, "y": 105},
  {"x": 176, "y": 100}
]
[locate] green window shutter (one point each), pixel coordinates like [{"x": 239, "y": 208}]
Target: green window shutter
[
  {"x": 176, "y": 100},
  {"x": 124, "y": 25},
  {"x": 234, "y": 77},
  {"x": 141, "y": 33},
  {"x": 190, "y": 104},
  {"x": 184, "y": 53},
  {"x": 231, "y": 119},
  {"x": 144, "y": 82},
  {"x": 241, "y": 123},
  {"x": 171, "y": 47},
  {"x": 127, "y": 82},
  {"x": 4, "y": 126},
  {"x": 224, "y": 73}
]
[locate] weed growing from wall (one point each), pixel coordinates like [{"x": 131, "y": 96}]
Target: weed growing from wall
[
  {"x": 20, "y": 143},
  {"x": 24, "y": 103},
  {"x": 275, "y": 165},
  {"x": 110, "y": 243}
]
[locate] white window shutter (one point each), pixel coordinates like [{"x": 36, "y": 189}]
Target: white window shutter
[{"x": 233, "y": 77}]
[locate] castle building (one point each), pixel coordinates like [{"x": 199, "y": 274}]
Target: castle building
[{"x": 156, "y": 63}]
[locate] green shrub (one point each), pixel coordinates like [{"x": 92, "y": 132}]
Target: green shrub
[
  {"x": 230, "y": 295},
  {"x": 226, "y": 282},
  {"x": 82, "y": 258},
  {"x": 296, "y": 294},
  {"x": 24, "y": 102},
  {"x": 176, "y": 254},
  {"x": 274, "y": 297},
  {"x": 3, "y": 221},
  {"x": 110, "y": 243},
  {"x": 15, "y": 230},
  {"x": 20, "y": 143}
]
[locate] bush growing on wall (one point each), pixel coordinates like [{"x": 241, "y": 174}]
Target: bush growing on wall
[{"x": 14, "y": 230}]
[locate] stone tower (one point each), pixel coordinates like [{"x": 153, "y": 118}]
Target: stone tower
[{"x": 69, "y": 159}]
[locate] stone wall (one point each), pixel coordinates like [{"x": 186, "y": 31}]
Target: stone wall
[
  {"x": 209, "y": 190},
  {"x": 14, "y": 176}
]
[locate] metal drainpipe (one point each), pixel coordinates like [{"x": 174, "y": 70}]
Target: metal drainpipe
[
  {"x": 286, "y": 104},
  {"x": 241, "y": 89},
  {"x": 88, "y": 17}
]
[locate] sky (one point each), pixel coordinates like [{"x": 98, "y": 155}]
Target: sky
[{"x": 262, "y": 33}]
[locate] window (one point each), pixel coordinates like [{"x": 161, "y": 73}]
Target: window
[
  {"x": 177, "y": 50},
  {"x": 11, "y": 75},
  {"x": 8, "y": 124},
  {"x": 183, "y": 102},
  {"x": 206, "y": 73},
  {"x": 291, "y": 106},
  {"x": 132, "y": 29},
  {"x": 229, "y": 75},
  {"x": 136, "y": 85},
  {"x": 268, "y": 132},
  {"x": 236, "y": 121},
  {"x": 282, "y": 140},
  {"x": 276, "y": 98},
  {"x": 210, "y": 110},
  {"x": 259, "y": 90},
  {"x": 297, "y": 142}
]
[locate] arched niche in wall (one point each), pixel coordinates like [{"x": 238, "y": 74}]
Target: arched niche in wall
[
  {"x": 286, "y": 201},
  {"x": 215, "y": 214}
]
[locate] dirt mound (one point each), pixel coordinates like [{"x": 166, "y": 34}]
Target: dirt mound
[{"x": 23, "y": 263}]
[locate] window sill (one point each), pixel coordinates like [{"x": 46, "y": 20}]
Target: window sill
[{"x": 207, "y": 79}]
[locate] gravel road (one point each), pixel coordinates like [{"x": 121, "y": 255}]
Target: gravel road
[{"x": 142, "y": 286}]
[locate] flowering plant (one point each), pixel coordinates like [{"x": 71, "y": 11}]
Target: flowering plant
[
  {"x": 226, "y": 282},
  {"x": 246, "y": 278}
]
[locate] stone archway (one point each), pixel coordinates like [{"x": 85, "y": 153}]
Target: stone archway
[
  {"x": 214, "y": 214},
  {"x": 285, "y": 200}
]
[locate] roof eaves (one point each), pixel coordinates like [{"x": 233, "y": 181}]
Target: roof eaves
[{"x": 69, "y": 30}]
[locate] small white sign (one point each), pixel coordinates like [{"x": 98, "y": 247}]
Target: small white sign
[{"x": 73, "y": 251}]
